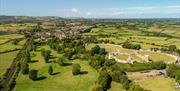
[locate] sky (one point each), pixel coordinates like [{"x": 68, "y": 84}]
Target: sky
[{"x": 92, "y": 8}]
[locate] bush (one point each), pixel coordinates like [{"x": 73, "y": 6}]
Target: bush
[
  {"x": 61, "y": 61},
  {"x": 50, "y": 70},
  {"x": 131, "y": 46},
  {"x": 118, "y": 76},
  {"x": 104, "y": 79},
  {"x": 97, "y": 61},
  {"x": 95, "y": 50},
  {"x": 139, "y": 66},
  {"x": 172, "y": 47},
  {"x": 24, "y": 68},
  {"x": 98, "y": 50},
  {"x": 28, "y": 57},
  {"x": 33, "y": 74},
  {"x": 102, "y": 51},
  {"x": 76, "y": 69},
  {"x": 97, "y": 87},
  {"x": 173, "y": 71}
]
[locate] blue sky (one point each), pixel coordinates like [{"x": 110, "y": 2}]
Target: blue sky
[{"x": 93, "y": 8}]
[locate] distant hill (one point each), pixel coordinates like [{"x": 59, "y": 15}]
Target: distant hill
[{"x": 19, "y": 19}]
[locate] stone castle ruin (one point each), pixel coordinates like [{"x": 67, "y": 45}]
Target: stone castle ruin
[{"x": 113, "y": 55}]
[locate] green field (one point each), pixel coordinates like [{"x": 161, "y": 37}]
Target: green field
[
  {"x": 116, "y": 87},
  {"x": 9, "y": 46},
  {"x": 15, "y": 26},
  {"x": 137, "y": 37},
  {"x": 158, "y": 84},
  {"x": 108, "y": 34},
  {"x": 11, "y": 36},
  {"x": 6, "y": 60},
  {"x": 123, "y": 56},
  {"x": 158, "y": 57},
  {"x": 62, "y": 81},
  {"x": 5, "y": 46}
]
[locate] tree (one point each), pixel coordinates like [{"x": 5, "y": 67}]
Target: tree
[
  {"x": 34, "y": 47},
  {"x": 76, "y": 69},
  {"x": 50, "y": 70},
  {"x": 61, "y": 61},
  {"x": 15, "y": 41},
  {"x": 102, "y": 51},
  {"x": 24, "y": 68},
  {"x": 28, "y": 57},
  {"x": 43, "y": 52},
  {"x": 95, "y": 50},
  {"x": 104, "y": 79},
  {"x": 33, "y": 74},
  {"x": 131, "y": 46},
  {"x": 118, "y": 76},
  {"x": 97, "y": 87},
  {"x": 68, "y": 54},
  {"x": 46, "y": 55},
  {"x": 97, "y": 61},
  {"x": 109, "y": 62},
  {"x": 135, "y": 87},
  {"x": 172, "y": 47}
]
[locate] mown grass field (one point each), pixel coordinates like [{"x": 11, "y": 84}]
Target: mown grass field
[
  {"x": 6, "y": 60},
  {"x": 116, "y": 87},
  {"x": 9, "y": 46},
  {"x": 158, "y": 57},
  {"x": 62, "y": 81},
  {"x": 158, "y": 84},
  {"x": 14, "y": 26},
  {"x": 137, "y": 37},
  {"x": 11, "y": 36}
]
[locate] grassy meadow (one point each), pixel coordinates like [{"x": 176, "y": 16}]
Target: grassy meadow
[
  {"x": 6, "y": 60},
  {"x": 158, "y": 84},
  {"x": 62, "y": 80}
]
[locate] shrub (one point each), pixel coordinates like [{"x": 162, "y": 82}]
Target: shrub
[
  {"x": 131, "y": 46},
  {"x": 24, "y": 68},
  {"x": 61, "y": 61},
  {"x": 50, "y": 70},
  {"x": 33, "y": 74},
  {"x": 97, "y": 87},
  {"x": 76, "y": 69}
]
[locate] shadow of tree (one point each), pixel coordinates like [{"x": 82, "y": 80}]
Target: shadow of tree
[
  {"x": 55, "y": 73},
  {"x": 52, "y": 57},
  {"x": 67, "y": 64},
  {"x": 33, "y": 61},
  {"x": 83, "y": 72},
  {"x": 33, "y": 55}
]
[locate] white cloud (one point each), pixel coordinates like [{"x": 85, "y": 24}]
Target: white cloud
[
  {"x": 139, "y": 11},
  {"x": 118, "y": 13},
  {"x": 89, "y": 13},
  {"x": 74, "y": 10}
]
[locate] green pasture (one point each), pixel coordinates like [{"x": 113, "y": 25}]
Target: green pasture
[
  {"x": 6, "y": 60},
  {"x": 158, "y": 84},
  {"x": 62, "y": 81}
]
